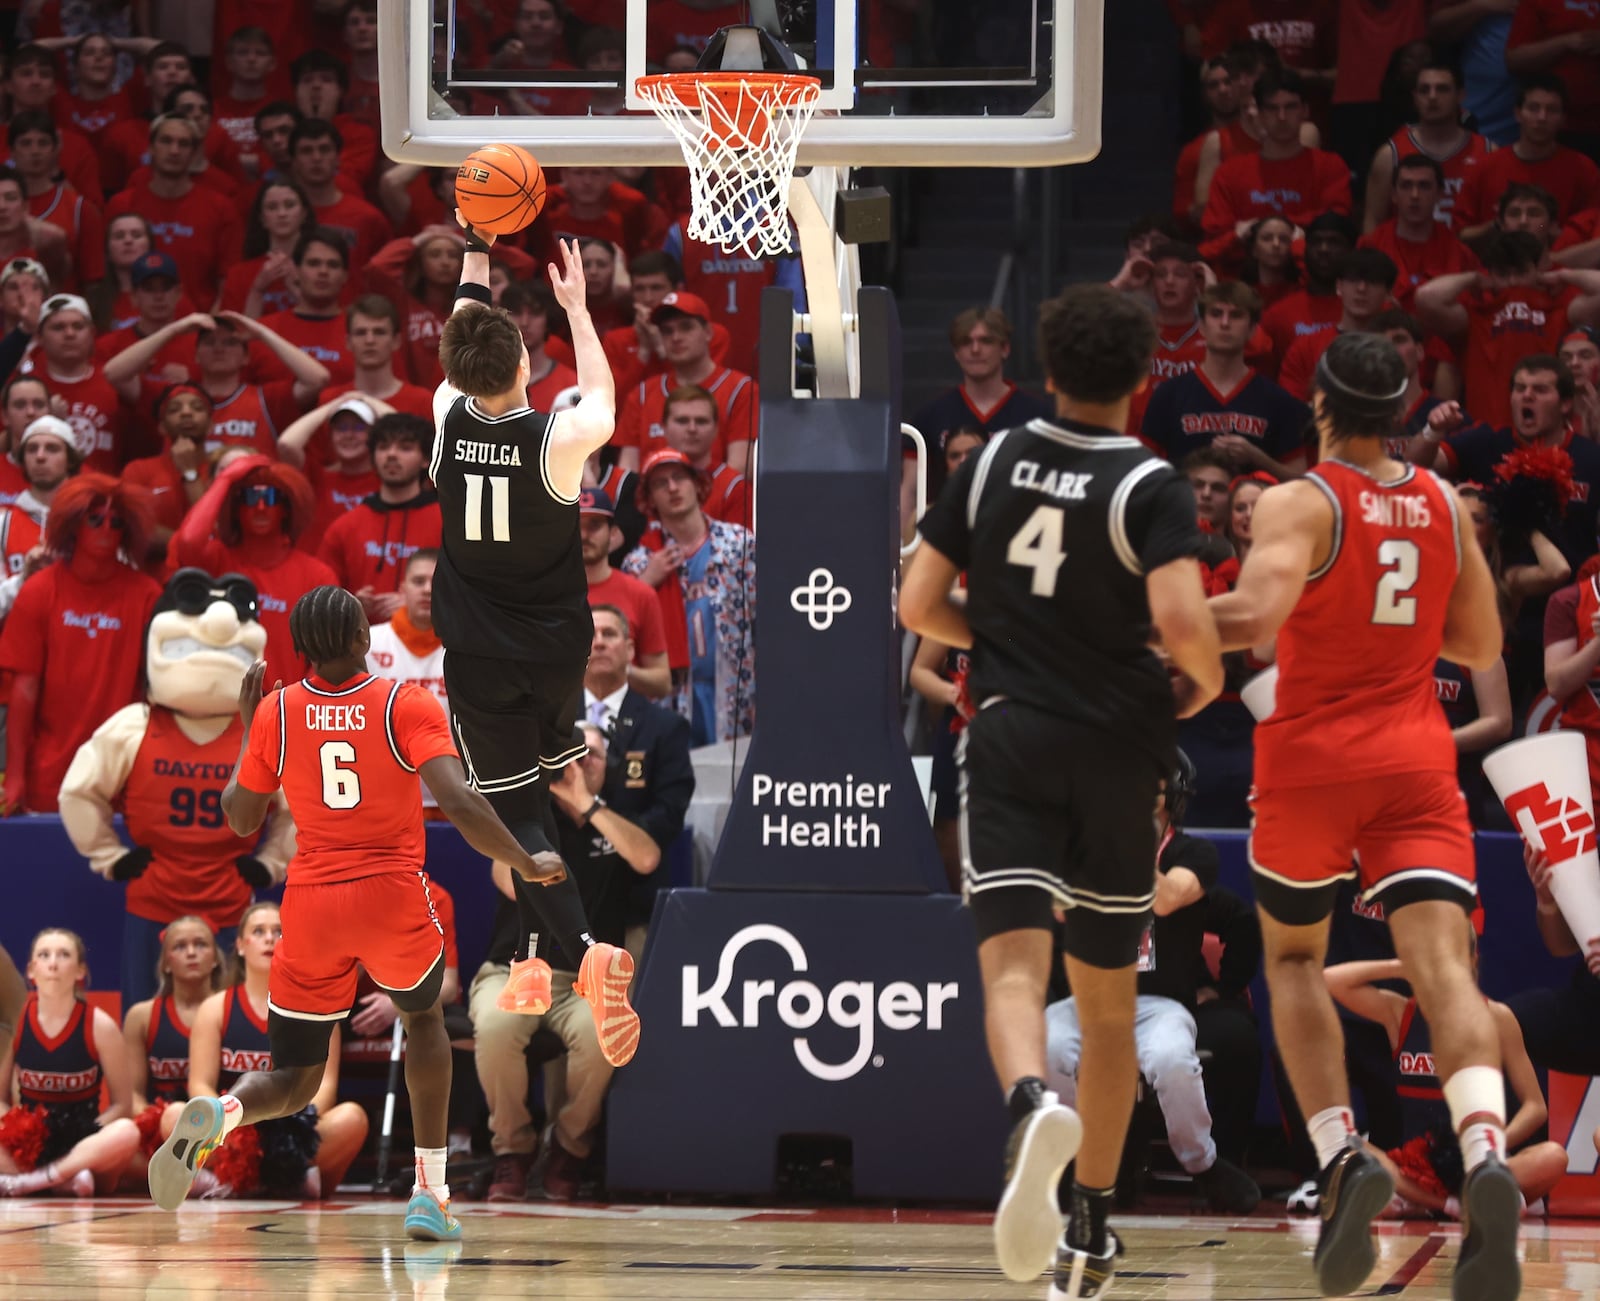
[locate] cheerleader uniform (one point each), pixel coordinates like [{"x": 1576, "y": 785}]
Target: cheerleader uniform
[
  {"x": 1430, "y": 1154},
  {"x": 273, "y": 1155},
  {"x": 58, "y": 1082},
  {"x": 166, "y": 1047}
]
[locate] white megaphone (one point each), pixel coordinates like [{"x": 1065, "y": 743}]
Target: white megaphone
[
  {"x": 1543, "y": 781},
  {"x": 1260, "y": 694}
]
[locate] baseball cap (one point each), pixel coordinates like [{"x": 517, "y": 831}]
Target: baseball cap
[
  {"x": 665, "y": 456},
  {"x": 681, "y": 303},
  {"x": 358, "y": 408},
  {"x": 64, "y": 303},
  {"x": 26, "y": 266},
  {"x": 53, "y": 425},
  {"x": 596, "y": 501},
  {"x": 154, "y": 265}
]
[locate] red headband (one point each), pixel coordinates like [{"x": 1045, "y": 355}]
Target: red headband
[{"x": 1255, "y": 476}]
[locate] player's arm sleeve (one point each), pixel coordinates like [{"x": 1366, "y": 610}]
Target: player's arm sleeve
[
  {"x": 421, "y": 731},
  {"x": 261, "y": 764},
  {"x": 95, "y": 778},
  {"x": 947, "y": 525},
  {"x": 1160, "y": 523}
]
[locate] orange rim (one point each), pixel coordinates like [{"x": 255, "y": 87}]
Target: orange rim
[{"x": 748, "y": 100}]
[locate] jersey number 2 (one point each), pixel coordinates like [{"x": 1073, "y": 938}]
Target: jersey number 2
[
  {"x": 1399, "y": 560},
  {"x": 499, "y": 507},
  {"x": 341, "y": 788},
  {"x": 1037, "y": 546}
]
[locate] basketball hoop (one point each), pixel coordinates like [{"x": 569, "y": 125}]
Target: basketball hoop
[{"x": 739, "y": 132}]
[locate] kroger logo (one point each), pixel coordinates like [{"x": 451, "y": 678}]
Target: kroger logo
[{"x": 800, "y": 1004}]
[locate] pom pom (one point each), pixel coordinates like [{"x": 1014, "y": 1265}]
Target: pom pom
[
  {"x": 23, "y": 1132},
  {"x": 966, "y": 711},
  {"x": 237, "y": 1163},
  {"x": 1532, "y": 488},
  {"x": 1444, "y": 1154},
  {"x": 149, "y": 1123},
  {"x": 288, "y": 1145},
  {"x": 1413, "y": 1161}
]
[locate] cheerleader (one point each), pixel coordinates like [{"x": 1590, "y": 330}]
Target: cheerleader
[
  {"x": 155, "y": 1032},
  {"x": 53, "y": 1133},
  {"x": 304, "y": 1153}
]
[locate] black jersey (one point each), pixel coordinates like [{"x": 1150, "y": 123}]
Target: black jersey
[
  {"x": 1056, "y": 525},
  {"x": 166, "y": 1053},
  {"x": 60, "y": 1069},
  {"x": 510, "y": 583},
  {"x": 246, "y": 1044}
]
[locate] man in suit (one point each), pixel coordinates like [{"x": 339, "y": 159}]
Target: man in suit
[{"x": 649, "y": 777}]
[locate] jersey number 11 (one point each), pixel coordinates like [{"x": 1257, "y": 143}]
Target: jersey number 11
[{"x": 499, "y": 507}]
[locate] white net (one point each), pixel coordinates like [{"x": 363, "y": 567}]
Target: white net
[{"x": 739, "y": 134}]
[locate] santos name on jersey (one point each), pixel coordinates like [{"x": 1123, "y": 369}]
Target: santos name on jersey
[
  {"x": 510, "y": 583},
  {"x": 1056, "y": 525}
]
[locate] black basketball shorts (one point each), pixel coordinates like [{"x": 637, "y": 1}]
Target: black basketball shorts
[
  {"x": 1056, "y": 814},
  {"x": 513, "y": 720}
]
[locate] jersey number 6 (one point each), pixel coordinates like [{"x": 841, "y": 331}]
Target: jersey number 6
[
  {"x": 1399, "y": 560},
  {"x": 341, "y": 788},
  {"x": 499, "y": 507}
]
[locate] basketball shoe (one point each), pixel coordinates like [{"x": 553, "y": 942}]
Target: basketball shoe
[
  {"x": 429, "y": 1220},
  {"x": 1491, "y": 1205},
  {"x": 177, "y": 1161},
  {"x": 603, "y": 979},
  {"x": 1028, "y": 1220},
  {"x": 1082, "y": 1275},
  {"x": 1352, "y": 1191},
  {"x": 527, "y": 990}
]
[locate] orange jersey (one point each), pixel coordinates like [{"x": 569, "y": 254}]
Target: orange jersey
[
  {"x": 1356, "y": 695},
  {"x": 173, "y": 806},
  {"x": 347, "y": 758}
]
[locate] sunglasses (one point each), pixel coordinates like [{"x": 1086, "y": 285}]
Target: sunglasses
[
  {"x": 193, "y": 591},
  {"x": 100, "y": 517},
  {"x": 261, "y": 494}
]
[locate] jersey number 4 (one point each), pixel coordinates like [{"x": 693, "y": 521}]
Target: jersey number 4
[
  {"x": 499, "y": 507},
  {"x": 1037, "y": 546},
  {"x": 341, "y": 787},
  {"x": 1393, "y": 606}
]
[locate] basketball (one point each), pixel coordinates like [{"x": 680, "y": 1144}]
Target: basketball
[{"x": 500, "y": 189}]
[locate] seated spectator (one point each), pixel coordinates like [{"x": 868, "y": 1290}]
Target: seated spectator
[
  {"x": 74, "y": 640},
  {"x": 1219, "y": 88},
  {"x": 203, "y": 238},
  {"x": 602, "y": 848},
  {"x": 247, "y": 522},
  {"x": 179, "y": 475},
  {"x": 938, "y": 674},
  {"x": 263, "y": 282},
  {"x": 1548, "y": 36},
  {"x": 22, "y": 401},
  {"x": 689, "y": 420},
  {"x": 1477, "y": 703},
  {"x": 36, "y": 157},
  {"x": 684, "y": 322},
  {"x": 99, "y": 97},
  {"x": 1427, "y": 1166},
  {"x": 125, "y": 146},
  {"x": 1362, "y": 282},
  {"x": 1546, "y": 1017},
  {"x": 980, "y": 340},
  {"x": 366, "y": 547},
  {"x": 344, "y": 478},
  {"x": 64, "y": 1053},
  {"x": 30, "y": 85},
  {"x": 320, "y": 79},
  {"x": 533, "y": 307},
  {"x": 49, "y": 459},
  {"x": 703, "y": 571},
  {"x": 1536, "y": 158},
  {"x": 315, "y": 149},
  {"x": 249, "y": 62},
  {"x": 1250, "y": 186},
  {"x": 1315, "y": 306},
  {"x": 1164, "y": 1025},
  {"x": 1437, "y": 135},
  {"x": 1497, "y": 316},
  {"x": 1225, "y": 405},
  {"x": 1580, "y": 353},
  {"x": 315, "y": 324},
  {"x": 406, "y": 648},
  {"x": 311, "y": 1149},
  {"x": 648, "y": 671},
  {"x": 1225, "y": 1022},
  {"x": 1208, "y": 473},
  {"x": 1542, "y": 572},
  {"x": 128, "y": 239},
  {"x": 1421, "y": 247},
  {"x": 64, "y": 359},
  {"x": 1269, "y": 264}
]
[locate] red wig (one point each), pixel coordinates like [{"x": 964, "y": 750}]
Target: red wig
[
  {"x": 292, "y": 486},
  {"x": 81, "y": 494}
]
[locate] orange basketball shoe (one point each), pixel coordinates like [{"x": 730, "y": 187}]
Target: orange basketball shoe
[
  {"x": 603, "y": 980},
  {"x": 528, "y": 989}
]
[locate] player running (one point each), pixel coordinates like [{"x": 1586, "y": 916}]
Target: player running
[
  {"x": 1367, "y": 571},
  {"x": 347, "y": 749},
  {"x": 511, "y": 604}
]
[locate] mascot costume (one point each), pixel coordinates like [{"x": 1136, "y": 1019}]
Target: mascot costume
[{"x": 164, "y": 763}]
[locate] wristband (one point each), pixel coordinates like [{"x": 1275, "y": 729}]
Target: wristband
[
  {"x": 475, "y": 242},
  {"x": 593, "y": 809},
  {"x": 477, "y": 293}
]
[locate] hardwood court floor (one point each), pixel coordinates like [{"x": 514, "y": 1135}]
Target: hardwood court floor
[{"x": 125, "y": 1250}]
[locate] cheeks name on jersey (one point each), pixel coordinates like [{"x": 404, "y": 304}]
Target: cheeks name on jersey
[
  {"x": 58, "y": 1081},
  {"x": 1446, "y": 690},
  {"x": 241, "y": 1061},
  {"x": 335, "y": 718},
  {"x": 1416, "y": 1064},
  {"x": 1222, "y": 422},
  {"x": 193, "y": 771},
  {"x": 1059, "y": 484},
  {"x": 1277, "y": 200},
  {"x": 91, "y": 623},
  {"x": 1395, "y": 510},
  {"x": 471, "y": 453}
]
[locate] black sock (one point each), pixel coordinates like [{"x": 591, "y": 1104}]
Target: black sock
[
  {"x": 1086, "y": 1229},
  {"x": 556, "y": 911},
  {"x": 1027, "y": 1095}
]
